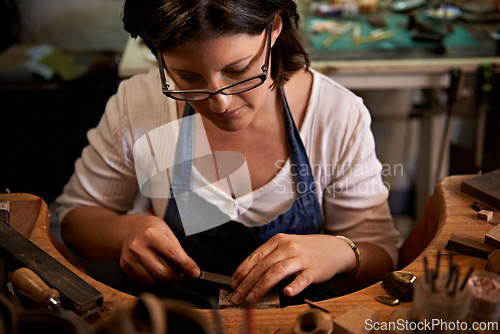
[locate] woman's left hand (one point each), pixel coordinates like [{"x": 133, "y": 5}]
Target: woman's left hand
[{"x": 312, "y": 258}]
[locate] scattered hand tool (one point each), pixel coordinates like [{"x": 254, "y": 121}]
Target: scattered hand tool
[
  {"x": 76, "y": 294},
  {"x": 336, "y": 34},
  {"x": 32, "y": 286},
  {"x": 375, "y": 35},
  {"x": 4, "y": 212}
]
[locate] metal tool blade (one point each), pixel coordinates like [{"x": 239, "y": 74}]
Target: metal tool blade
[
  {"x": 204, "y": 275},
  {"x": 223, "y": 279},
  {"x": 4, "y": 211}
]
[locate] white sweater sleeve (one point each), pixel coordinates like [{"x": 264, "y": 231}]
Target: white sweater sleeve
[
  {"x": 357, "y": 199},
  {"x": 105, "y": 175}
]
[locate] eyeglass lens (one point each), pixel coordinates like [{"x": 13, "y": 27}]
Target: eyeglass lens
[{"x": 234, "y": 89}]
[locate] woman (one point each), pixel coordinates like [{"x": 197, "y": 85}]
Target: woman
[{"x": 318, "y": 209}]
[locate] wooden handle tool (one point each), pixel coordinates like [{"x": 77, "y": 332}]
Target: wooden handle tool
[
  {"x": 32, "y": 286},
  {"x": 76, "y": 294}
]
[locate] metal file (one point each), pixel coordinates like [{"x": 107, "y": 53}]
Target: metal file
[{"x": 223, "y": 279}]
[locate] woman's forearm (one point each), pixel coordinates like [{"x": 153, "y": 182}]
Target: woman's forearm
[
  {"x": 375, "y": 262},
  {"x": 96, "y": 233}
]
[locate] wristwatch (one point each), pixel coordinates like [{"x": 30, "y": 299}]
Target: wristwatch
[{"x": 355, "y": 249}]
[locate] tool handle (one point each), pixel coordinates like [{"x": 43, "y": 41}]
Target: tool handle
[{"x": 32, "y": 286}]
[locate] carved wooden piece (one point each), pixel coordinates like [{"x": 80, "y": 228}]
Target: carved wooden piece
[
  {"x": 468, "y": 246},
  {"x": 354, "y": 320},
  {"x": 493, "y": 262},
  {"x": 493, "y": 237},
  {"x": 485, "y": 187},
  {"x": 485, "y": 215}
]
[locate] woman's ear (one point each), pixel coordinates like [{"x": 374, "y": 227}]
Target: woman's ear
[{"x": 278, "y": 25}]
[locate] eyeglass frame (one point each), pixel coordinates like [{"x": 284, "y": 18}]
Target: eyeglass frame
[{"x": 262, "y": 77}]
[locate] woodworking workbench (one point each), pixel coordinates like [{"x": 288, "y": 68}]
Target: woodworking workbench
[{"x": 448, "y": 211}]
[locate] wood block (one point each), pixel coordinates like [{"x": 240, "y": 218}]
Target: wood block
[
  {"x": 493, "y": 262},
  {"x": 493, "y": 237},
  {"x": 353, "y": 321},
  {"x": 486, "y": 215},
  {"x": 485, "y": 187},
  {"x": 271, "y": 300},
  {"x": 469, "y": 247}
]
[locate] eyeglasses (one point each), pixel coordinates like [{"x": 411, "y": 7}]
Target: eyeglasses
[{"x": 202, "y": 94}]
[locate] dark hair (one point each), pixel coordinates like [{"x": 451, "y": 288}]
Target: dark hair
[{"x": 167, "y": 23}]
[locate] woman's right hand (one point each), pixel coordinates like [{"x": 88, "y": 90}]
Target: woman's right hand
[{"x": 151, "y": 252}]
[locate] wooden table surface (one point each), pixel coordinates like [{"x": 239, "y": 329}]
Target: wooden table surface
[{"x": 448, "y": 209}]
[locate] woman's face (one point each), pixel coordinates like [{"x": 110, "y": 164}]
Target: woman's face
[{"x": 219, "y": 62}]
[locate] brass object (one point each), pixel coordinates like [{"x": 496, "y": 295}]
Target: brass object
[
  {"x": 399, "y": 284},
  {"x": 405, "y": 276},
  {"x": 357, "y": 253},
  {"x": 387, "y": 300}
]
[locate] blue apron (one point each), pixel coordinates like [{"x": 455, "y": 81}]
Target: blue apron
[{"x": 223, "y": 248}]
